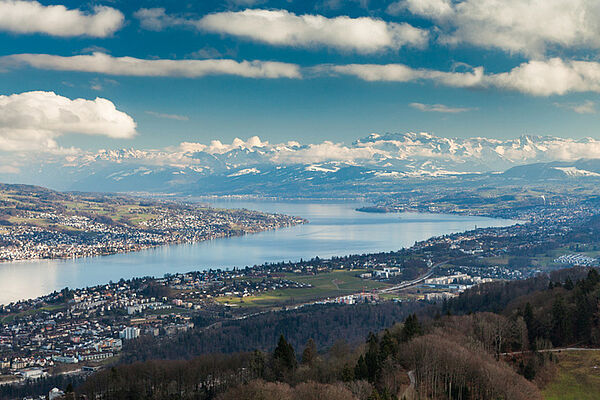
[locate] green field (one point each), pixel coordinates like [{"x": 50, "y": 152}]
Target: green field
[
  {"x": 33, "y": 311},
  {"x": 578, "y": 377},
  {"x": 324, "y": 285}
]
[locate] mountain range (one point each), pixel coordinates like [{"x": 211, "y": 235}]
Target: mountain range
[{"x": 257, "y": 167}]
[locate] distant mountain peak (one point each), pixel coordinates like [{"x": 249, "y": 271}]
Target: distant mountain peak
[{"x": 376, "y": 156}]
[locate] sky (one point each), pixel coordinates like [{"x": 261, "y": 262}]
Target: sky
[{"x": 152, "y": 74}]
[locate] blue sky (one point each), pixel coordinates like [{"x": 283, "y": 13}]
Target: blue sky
[{"x": 321, "y": 102}]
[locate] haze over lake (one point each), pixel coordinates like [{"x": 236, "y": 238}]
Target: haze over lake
[{"x": 334, "y": 229}]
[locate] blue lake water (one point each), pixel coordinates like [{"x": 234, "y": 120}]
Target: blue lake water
[{"x": 334, "y": 229}]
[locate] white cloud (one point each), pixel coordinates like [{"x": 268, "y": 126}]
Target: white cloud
[
  {"x": 322, "y": 152},
  {"x": 587, "y": 107},
  {"x": 156, "y": 19},
  {"x": 283, "y": 28},
  {"x": 403, "y": 73},
  {"x": 217, "y": 147},
  {"x": 176, "y": 117},
  {"x": 106, "y": 64},
  {"x": 519, "y": 26},
  {"x": 537, "y": 78},
  {"x": 32, "y": 17},
  {"x": 33, "y": 120},
  {"x": 440, "y": 108},
  {"x": 550, "y": 77}
]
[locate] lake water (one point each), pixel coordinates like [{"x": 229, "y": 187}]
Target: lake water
[{"x": 334, "y": 229}]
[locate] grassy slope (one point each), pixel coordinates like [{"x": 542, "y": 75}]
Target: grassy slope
[
  {"x": 333, "y": 284},
  {"x": 578, "y": 377}
]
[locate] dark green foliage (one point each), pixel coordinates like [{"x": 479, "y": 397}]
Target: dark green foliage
[
  {"x": 324, "y": 324},
  {"x": 530, "y": 323},
  {"x": 560, "y": 330},
  {"x": 361, "y": 371},
  {"x": 284, "y": 355},
  {"x": 411, "y": 328},
  {"x": 372, "y": 359}
]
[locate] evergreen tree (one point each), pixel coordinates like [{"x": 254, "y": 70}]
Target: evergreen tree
[
  {"x": 360, "y": 370},
  {"x": 411, "y": 328},
  {"x": 284, "y": 354},
  {"x": 387, "y": 347},
  {"x": 372, "y": 358},
  {"x": 560, "y": 324},
  {"x": 530, "y": 324}
]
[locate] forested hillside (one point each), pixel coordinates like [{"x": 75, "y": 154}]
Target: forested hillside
[{"x": 490, "y": 343}]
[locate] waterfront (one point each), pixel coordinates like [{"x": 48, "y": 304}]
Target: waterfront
[{"x": 334, "y": 229}]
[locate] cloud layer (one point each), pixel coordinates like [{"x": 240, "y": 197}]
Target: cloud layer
[
  {"x": 33, "y": 120},
  {"x": 529, "y": 27},
  {"x": 32, "y": 17},
  {"x": 106, "y": 64},
  {"x": 538, "y": 78},
  {"x": 284, "y": 28}
]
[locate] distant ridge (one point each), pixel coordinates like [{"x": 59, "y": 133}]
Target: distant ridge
[{"x": 256, "y": 166}]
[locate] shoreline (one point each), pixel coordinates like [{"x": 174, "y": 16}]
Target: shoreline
[{"x": 148, "y": 247}]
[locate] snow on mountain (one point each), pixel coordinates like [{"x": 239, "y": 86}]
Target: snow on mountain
[{"x": 381, "y": 157}]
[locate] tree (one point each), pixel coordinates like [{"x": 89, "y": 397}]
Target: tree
[
  {"x": 372, "y": 357},
  {"x": 411, "y": 328},
  {"x": 284, "y": 354},
  {"x": 530, "y": 323},
  {"x": 560, "y": 323},
  {"x": 360, "y": 370},
  {"x": 309, "y": 355}
]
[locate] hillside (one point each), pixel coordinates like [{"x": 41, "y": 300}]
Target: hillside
[
  {"x": 459, "y": 355},
  {"x": 40, "y": 223}
]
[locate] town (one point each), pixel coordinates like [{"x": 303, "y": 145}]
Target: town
[
  {"x": 79, "y": 330},
  {"x": 37, "y": 223}
]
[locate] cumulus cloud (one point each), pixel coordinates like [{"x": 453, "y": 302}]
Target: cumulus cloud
[
  {"x": 106, "y": 64},
  {"x": 520, "y": 26},
  {"x": 283, "y": 28},
  {"x": 538, "y": 78},
  {"x": 33, "y": 120},
  {"x": 550, "y": 77},
  {"x": 439, "y": 108},
  {"x": 28, "y": 17}
]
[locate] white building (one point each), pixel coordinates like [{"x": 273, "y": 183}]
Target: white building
[
  {"x": 129, "y": 333},
  {"x": 32, "y": 373},
  {"x": 65, "y": 359}
]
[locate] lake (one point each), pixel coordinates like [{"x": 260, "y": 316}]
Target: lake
[{"x": 333, "y": 229}]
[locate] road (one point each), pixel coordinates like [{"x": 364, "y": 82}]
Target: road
[
  {"x": 403, "y": 285},
  {"x": 551, "y": 350},
  {"x": 414, "y": 282}
]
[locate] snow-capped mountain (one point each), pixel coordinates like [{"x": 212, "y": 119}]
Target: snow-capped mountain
[{"x": 253, "y": 165}]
